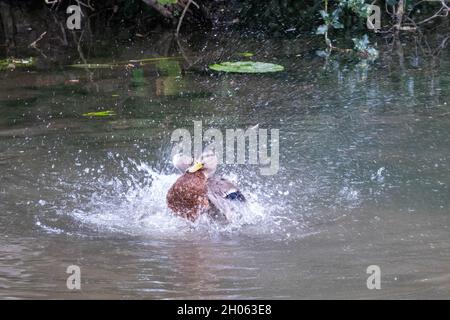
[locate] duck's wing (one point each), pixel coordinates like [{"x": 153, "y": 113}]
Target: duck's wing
[
  {"x": 224, "y": 196},
  {"x": 224, "y": 189}
]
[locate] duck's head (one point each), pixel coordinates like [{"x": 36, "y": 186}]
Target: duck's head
[
  {"x": 182, "y": 162},
  {"x": 207, "y": 162}
]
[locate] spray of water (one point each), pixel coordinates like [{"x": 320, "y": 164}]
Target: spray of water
[{"x": 132, "y": 201}]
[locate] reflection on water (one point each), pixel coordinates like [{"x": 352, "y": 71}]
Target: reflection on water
[{"x": 364, "y": 156}]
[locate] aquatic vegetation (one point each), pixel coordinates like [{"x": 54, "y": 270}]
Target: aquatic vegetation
[
  {"x": 246, "y": 67},
  {"x": 170, "y": 68},
  {"x": 137, "y": 78},
  {"x": 151, "y": 59},
  {"x": 12, "y": 63},
  {"x": 163, "y": 2},
  {"x": 169, "y": 81},
  {"x": 93, "y": 66},
  {"x": 123, "y": 64},
  {"x": 332, "y": 21},
  {"x": 106, "y": 113},
  {"x": 246, "y": 54}
]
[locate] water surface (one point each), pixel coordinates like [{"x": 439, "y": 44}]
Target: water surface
[{"x": 364, "y": 176}]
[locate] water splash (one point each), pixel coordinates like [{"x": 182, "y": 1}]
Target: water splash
[{"x": 132, "y": 201}]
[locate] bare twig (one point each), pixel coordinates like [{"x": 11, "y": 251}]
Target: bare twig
[
  {"x": 63, "y": 39},
  {"x": 34, "y": 43},
  {"x": 182, "y": 17},
  {"x": 195, "y": 4},
  {"x": 399, "y": 14},
  {"x": 88, "y": 5},
  {"x": 444, "y": 9}
]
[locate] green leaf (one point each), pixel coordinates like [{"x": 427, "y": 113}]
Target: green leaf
[
  {"x": 324, "y": 14},
  {"x": 151, "y": 59},
  {"x": 362, "y": 43},
  {"x": 323, "y": 53},
  {"x": 372, "y": 53},
  {"x": 336, "y": 13},
  {"x": 362, "y": 46},
  {"x": 246, "y": 67},
  {"x": 322, "y": 29},
  {"x": 246, "y": 54},
  {"x": 164, "y": 2},
  {"x": 106, "y": 113},
  {"x": 364, "y": 11},
  {"x": 337, "y": 25}
]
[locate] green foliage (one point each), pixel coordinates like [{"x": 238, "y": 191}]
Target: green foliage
[
  {"x": 12, "y": 63},
  {"x": 362, "y": 43},
  {"x": 322, "y": 29},
  {"x": 246, "y": 67},
  {"x": 107, "y": 113},
  {"x": 169, "y": 67},
  {"x": 93, "y": 66},
  {"x": 330, "y": 21},
  {"x": 164, "y": 2},
  {"x": 137, "y": 77},
  {"x": 245, "y": 54},
  {"x": 122, "y": 64},
  {"x": 363, "y": 47},
  {"x": 358, "y": 7}
]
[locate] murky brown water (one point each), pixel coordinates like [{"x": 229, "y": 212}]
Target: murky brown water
[{"x": 364, "y": 177}]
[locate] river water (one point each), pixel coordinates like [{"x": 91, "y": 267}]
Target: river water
[{"x": 363, "y": 180}]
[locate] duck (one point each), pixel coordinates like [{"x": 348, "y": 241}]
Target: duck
[{"x": 198, "y": 190}]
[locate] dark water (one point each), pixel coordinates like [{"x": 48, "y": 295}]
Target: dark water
[{"x": 364, "y": 176}]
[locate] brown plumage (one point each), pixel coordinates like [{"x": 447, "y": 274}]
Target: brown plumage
[
  {"x": 198, "y": 191},
  {"x": 188, "y": 196}
]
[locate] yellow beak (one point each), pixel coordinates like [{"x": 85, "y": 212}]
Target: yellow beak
[{"x": 197, "y": 166}]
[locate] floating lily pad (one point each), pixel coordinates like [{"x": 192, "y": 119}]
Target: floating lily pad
[
  {"x": 246, "y": 67},
  {"x": 106, "y": 113}
]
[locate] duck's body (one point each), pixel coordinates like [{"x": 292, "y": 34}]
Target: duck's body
[
  {"x": 188, "y": 195},
  {"x": 198, "y": 191}
]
